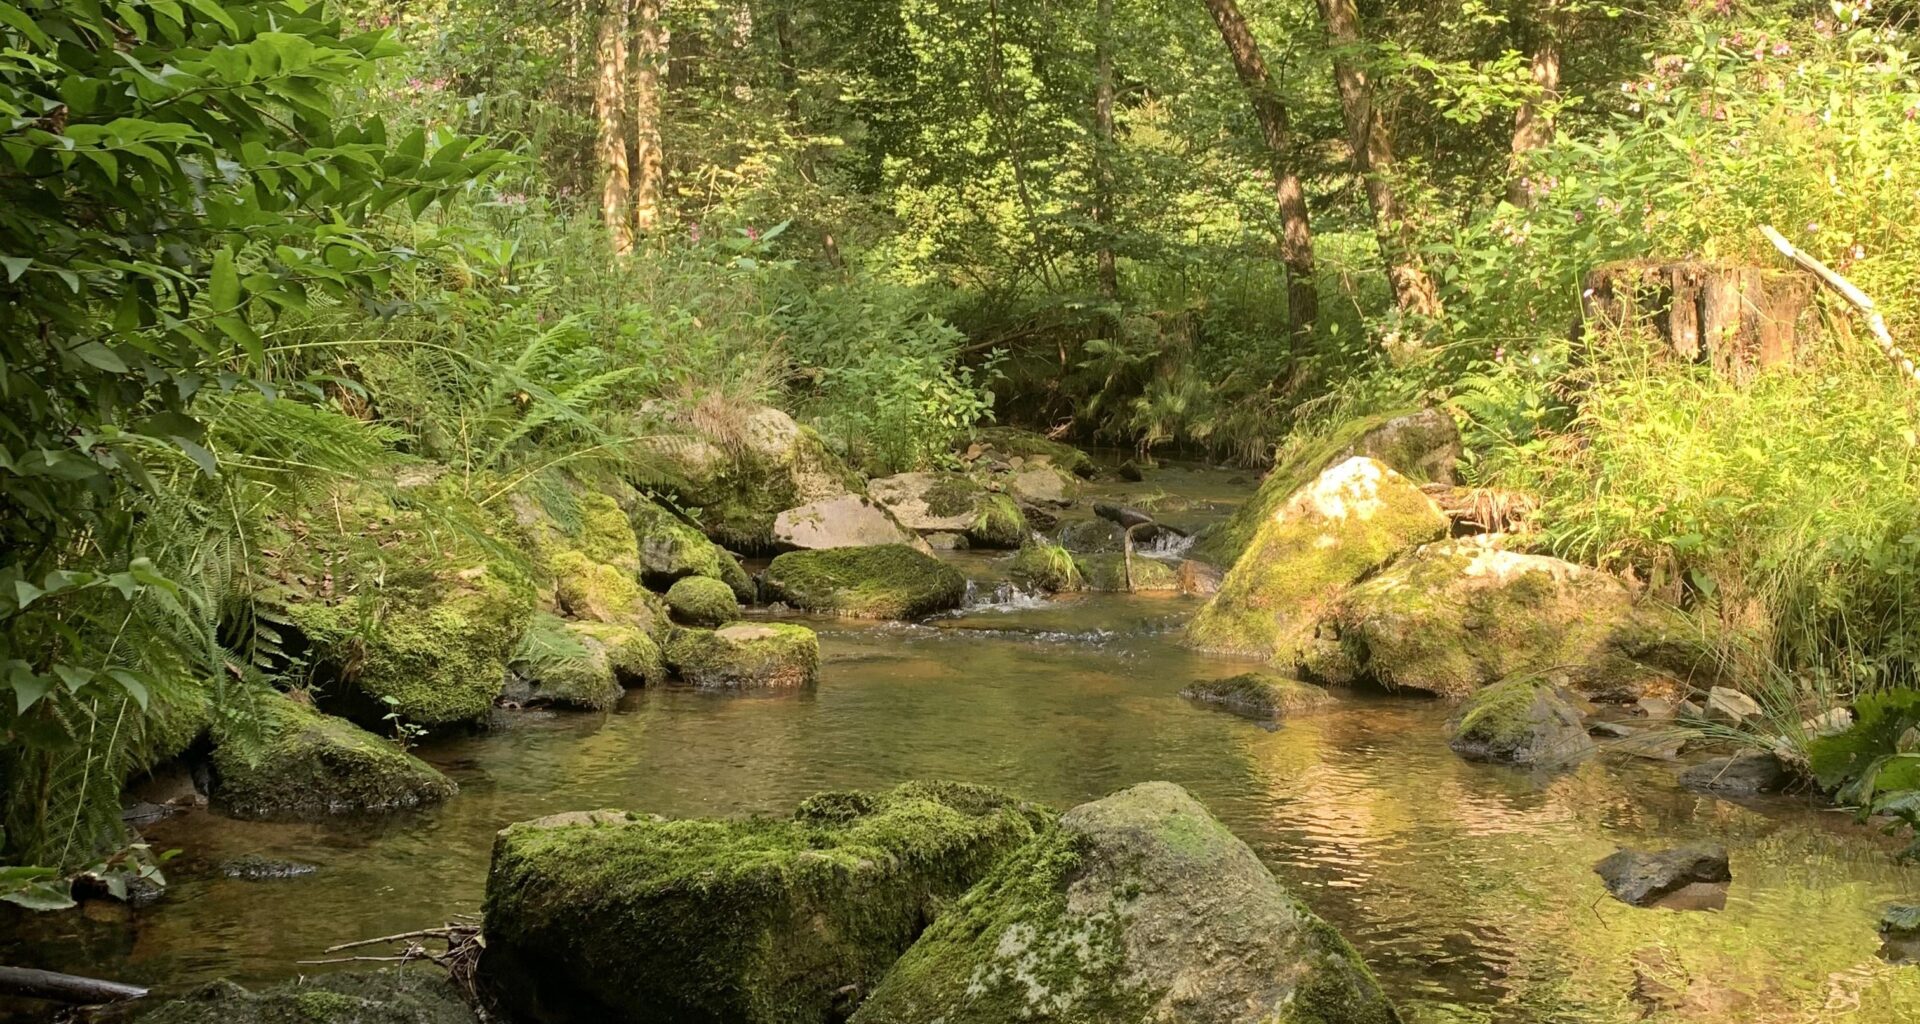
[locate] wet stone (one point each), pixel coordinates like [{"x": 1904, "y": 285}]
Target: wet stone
[{"x": 1641, "y": 878}]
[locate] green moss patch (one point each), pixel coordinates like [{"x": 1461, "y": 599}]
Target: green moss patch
[
  {"x": 1047, "y": 567},
  {"x": 615, "y": 917},
  {"x": 745, "y": 656},
  {"x": 1520, "y": 721},
  {"x": 1107, "y": 572},
  {"x": 889, "y": 581},
  {"x": 699, "y": 601},
  {"x": 1008, "y": 442},
  {"x": 402, "y": 995},
  {"x": 298, "y": 763},
  {"x": 1259, "y": 695}
]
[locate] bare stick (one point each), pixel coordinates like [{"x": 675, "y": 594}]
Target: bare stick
[
  {"x": 1854, "y": 296},
  {"x": 64, "y": 988},
  {"x": 361, "y": 959},
  {"x": 424, "y": 933}
]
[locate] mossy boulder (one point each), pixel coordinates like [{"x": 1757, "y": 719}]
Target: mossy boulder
[
  {"x": 1107, "y": 573},
  {"x": 1090, "y": 536},
  {"x": 891, "y": 581},
  {"x": 1138, "y": 908},
  {"x": 952, "y": 503},
  {"x": 740, "y": 467},
  {"x": 1045, "y": 567},
  {"x": 699, "y": 601},
  {"x": 1422, "y": 445},
  {"x": 745, "y": 656},
  {"x": 1520, "y": 721},
  {"x": 1260, "y": 695},
  {"x": 1454, "y": 616},
  {"x": 845, "y": 521},
  {"x": 592, "y": 560},
  {"x": 585, "y": 665},
  {"x": 1350, "y": 521},
  {"x": 671, "y": 549},
  {"x": 1007, "y": 443},
  {"x": 609, "y": 916},
  {"x": 294, "y": 762},
  {"x": 399, "y": 995}
]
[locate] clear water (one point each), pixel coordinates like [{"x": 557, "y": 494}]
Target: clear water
[{"x": 1468, "y": 887}]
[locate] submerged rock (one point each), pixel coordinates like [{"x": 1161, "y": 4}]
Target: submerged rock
[
  {"x": 1259, "y": 695},
  {"x": 699, "y": 601},
  {"x": 295, "y": 762},
  {"x": 1421, "y": 445},
  {"x": 892, "y": 581},
  {"x": 1326, "y": 537},
  {"x": 1138, "y": 908},
  {"x": 612, "y": 917},
  {"x": 1454, "y": 616},
  {"x": 1641, "y": 878},
  {"x": 1745, "y": 773},
  {"x": 952, "y": 503},
  {"x": 255, "y": 868},
  {"x": 845, "y": 521},
  {"x": 402, "y": 995},
  {"x": 1519, "y": 721},
  {"x": 745, "y": 656}
]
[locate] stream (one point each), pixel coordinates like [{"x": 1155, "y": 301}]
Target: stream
[{"x": 1468, "y": 887}]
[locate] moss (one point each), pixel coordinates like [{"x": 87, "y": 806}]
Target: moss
[
  {"x": 1043, "y": 566},
  {"x": 745, "y": 656},
  {"x": 1259, "y": 695},
  {"x": 888, "y": 581},
  {"x": 601, "y": 592},
  {"x": 1013, "y": 441},
  {"x": 1351, "y": 520},
  {"x": 1500, "y": 714},
  {"x": 298, "y": 763},
  {"x": 1519, "y": 721},
  {"x": 611, "y": 916},
  {"x": 1420, "y": 445},
  {"x": 408, "y": 995},
  {"x": 634, "y": 655},
  {"x": 997, "y": 523},
  {"x": 174, "y": 720},
  {"x": 1107, "y": 572},
  {"x": 572, "y": 664},
  {"x": 953, "y": 495},
  {"x": 699, "y": 601}
]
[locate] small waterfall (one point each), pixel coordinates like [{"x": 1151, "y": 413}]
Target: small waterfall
[
  {"x": 1168, "y": 545},
  {"x": 1000, "y": 595}
]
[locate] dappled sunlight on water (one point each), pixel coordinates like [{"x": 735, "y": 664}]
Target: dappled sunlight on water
[{"x": 1468, "y": 887}]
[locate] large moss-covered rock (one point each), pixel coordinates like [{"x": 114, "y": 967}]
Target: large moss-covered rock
[
  {"x": 1139, "y": 908},
  {"x": 671, "y": 549},
  {"x": 585, "y": 665},
  {"x": 952, "y": 503},
  {"x": 741, "y": 468},
  {"x": 1012, "y": 442},
  {"x": 402, "y": 995},
  {"x": 593, "y": 561},
  {"x": 1421, "y": 445},
  {"x": 1351, "y": 520},
  {"x": 608, "y": 916},
  {"x": 699, "y": 601},
  {"x": 295, "y": 762},
  {"x": 410, "y": 600},
  {"x": 1520, "y": 721},
  {"x": 892, "y": 581},
  {"x": 1454, "y": 616},
  {"x": 745, "y": 656}
]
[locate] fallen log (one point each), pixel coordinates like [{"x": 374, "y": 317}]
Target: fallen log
[{"x": 72, "y": 989}]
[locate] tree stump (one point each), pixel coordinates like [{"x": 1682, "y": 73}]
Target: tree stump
[{"x": 1738, "y": 318}]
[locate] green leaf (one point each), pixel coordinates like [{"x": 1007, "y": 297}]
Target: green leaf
[
  {"x": 200, "y": 456},
  {"x": 16, "y": 265},
  {"x": 56, "y": 895},
  {"x": 223, "y": 288},
  {"x": 25, "y": 593},
  {"x": 100, "y": 357}
]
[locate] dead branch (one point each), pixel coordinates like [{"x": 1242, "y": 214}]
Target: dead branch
[
  {"x": 64, "y": 988},
  {"x": 1902, "y": 360}
]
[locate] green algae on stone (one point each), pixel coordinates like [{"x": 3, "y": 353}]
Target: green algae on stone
[
  {"x": 1106, "y": 572},
  {"x": 700, "y": 601},
  {"x": 1351, "y": 520},
  {"x": 1421, "y": 445},
  {"x": 889, "y": 581},
  {"x": 1455, "y": 616},
  {"x": 1259, "y": 695},
  {"x": 398, "y": 995},
  {"x": 745, "y": 656},
  {"x": 1045, "y": 566},
  {"x": 1137, "y": 908},
  {"x": 1520, "y": 721},
  {"x": 298, "y": 763},
  {"x": 607, "y": 916}
]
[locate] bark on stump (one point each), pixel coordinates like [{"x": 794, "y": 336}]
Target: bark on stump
[{"x": 1738, "y": 318}]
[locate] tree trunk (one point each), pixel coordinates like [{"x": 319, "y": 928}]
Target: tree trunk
[
  {"x": 1533, "y": 122},
  {"x": 789, "y": 63},
  {"x": 650, "y": 42},
  {"x": 609, "y": 112},
  {"x": 1413, "y": 289},
  {"x": 1296, "y": 238},
  {"x": 1105, "y": 269}
]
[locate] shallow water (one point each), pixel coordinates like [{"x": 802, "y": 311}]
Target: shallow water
[{"x": 1467, "y": 887}]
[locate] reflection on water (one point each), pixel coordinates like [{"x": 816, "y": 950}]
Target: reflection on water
[{"x": 1468, "y": 887}]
